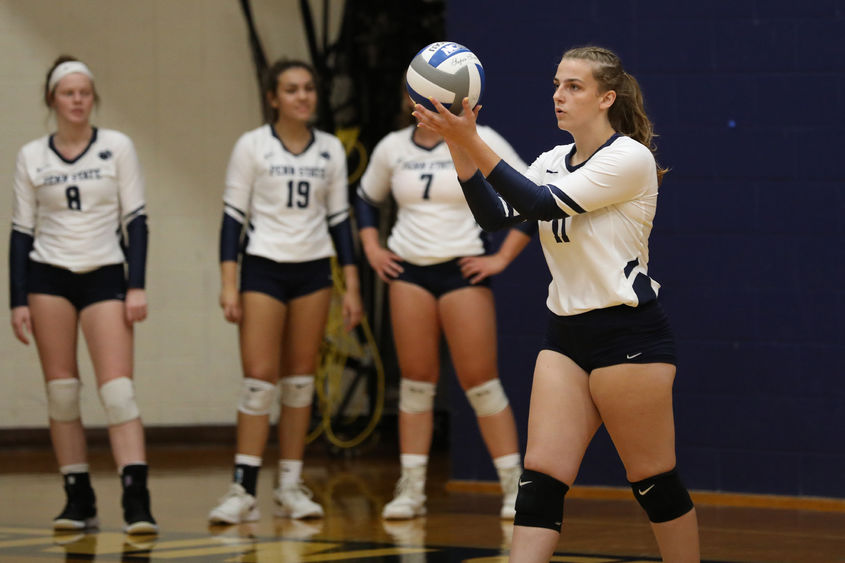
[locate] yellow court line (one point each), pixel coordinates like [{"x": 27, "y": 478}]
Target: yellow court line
[
  {"x": 26, "y": 531},
  {"x": 223, "y": 549},
  {"x": 44, "y": 540}
]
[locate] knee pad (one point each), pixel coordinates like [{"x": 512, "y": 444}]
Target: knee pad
[
  {"x": 298, "y": 390},
  {"x": 539, "y": 502},
  {"x": 63, "y": 399},
  {"x": 256, "y": 396},
  {"x": 118, "y": 398},
  {"x": 416, "y": 397},
  {"x": 488, "y": 398},
  {"x": 663, "y": 496}
]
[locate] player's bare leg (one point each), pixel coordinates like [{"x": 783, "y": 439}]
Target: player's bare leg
[
  {"x": 635, "y": 401},
  {"x": 561, "y": 422}
]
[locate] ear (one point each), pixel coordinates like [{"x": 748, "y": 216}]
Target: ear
[
  {"x": 606, "y": 100},
  {"x": 271, "y": 99}
]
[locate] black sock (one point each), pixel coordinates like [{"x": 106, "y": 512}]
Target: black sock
[
  {"x": 134, "y": 476},
  {"x": 247, "y": 477}
]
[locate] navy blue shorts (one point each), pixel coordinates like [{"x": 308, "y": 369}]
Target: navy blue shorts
[
  {"x": 438, "y": 279},
  {"x": 284, "y": 280},
  {"x": 611, "y": 336},
  {"x": 103, "y": 284}
]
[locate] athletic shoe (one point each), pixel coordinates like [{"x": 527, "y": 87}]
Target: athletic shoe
[
  {"x": 236, "y": 506},
  {"x": 136, "y": 511},
  {"x": 409, "y": 497},
  {"x": 294, "y": 501},
  {"x": 509, "y": 479},
  {"x": 80, "y": 511}
]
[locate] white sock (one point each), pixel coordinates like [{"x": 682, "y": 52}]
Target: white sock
[
  {"x": 507, "y": 461},
  {"x": 290, "y": 471},
  {"x": 251, "y": 460},
  {"x": 410, "y": 461},
  {"x": 73, "y": 468}
]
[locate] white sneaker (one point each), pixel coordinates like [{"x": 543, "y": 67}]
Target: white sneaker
[
  {"x": 509, "y": 479},
  {"x": 235, "y": 507},
  {"x": 408, "y": 500},
  {"x": 295, "y": 502}
]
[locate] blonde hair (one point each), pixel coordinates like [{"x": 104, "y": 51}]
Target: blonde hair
[{"x": 627, "y": 114}]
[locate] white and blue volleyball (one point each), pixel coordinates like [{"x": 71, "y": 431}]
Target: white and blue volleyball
[{"x": 447, "y": 72}]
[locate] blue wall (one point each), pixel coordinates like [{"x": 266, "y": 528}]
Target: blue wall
[{"x": 749, "y": 240}]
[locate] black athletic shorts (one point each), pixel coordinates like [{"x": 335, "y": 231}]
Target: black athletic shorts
[
  {"x": 438, "y": 279},
  {"x": 284, "y": 280},
  {"x": 103, "y": 284},
  {"x": 611, "y": 336}
]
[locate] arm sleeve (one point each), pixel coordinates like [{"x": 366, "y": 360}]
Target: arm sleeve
[
  {"x": 134, "y": 215},
  {"x": 230, "y": 238},
  {"x": 530, "y": 200},
  {"x": 341, "y": 234},
  {"x": 490, "y": 211},
  {"x": 366, "y": 213},
  {"x": 20, "y": 244}
]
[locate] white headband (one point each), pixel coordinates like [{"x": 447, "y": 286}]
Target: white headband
[{"x": 64, "y": 69}]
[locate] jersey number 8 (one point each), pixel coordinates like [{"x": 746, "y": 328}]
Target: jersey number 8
[{"x": 73, "y": 201}]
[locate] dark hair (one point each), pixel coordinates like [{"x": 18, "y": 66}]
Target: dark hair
[
  {"x": 270, "y": 83},
  {"x": 627, "y": 114},
  {"x": 48, "y": 94}
]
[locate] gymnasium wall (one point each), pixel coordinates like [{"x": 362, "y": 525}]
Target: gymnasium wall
[
  {"x": 178, "y": 78},
  {"x": 748, "y": 98}
]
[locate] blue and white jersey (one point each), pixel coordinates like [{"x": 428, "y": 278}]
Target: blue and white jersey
[
  {"x": 434, "y": 223},
  {"x": 288, "y": 201},
  {"x": 598, "y": 255},
  {"x": 75, "y": 209}
]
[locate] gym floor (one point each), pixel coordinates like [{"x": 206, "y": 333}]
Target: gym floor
[{"x": 601, "y": 526}]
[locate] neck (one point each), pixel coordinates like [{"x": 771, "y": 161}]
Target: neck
[
  {"x": 73, "y": 133},
  {"x": 426, "y": 137},
  {"x": 588, "y": 141},
  {"x": 292, "y": 131}
]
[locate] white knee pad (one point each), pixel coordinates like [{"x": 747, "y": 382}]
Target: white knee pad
[
  {"x": 416, "y": 397},
  {"x": 488, "y": 398},
  {"x": 256, "y": 396},
  {"x": 118, "y": 398},
  {"x": 297, "y": 390},
  {"x": 63, "y": 399}
]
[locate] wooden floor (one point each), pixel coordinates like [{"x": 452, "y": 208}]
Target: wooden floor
[{"x": 460, "y": 526}]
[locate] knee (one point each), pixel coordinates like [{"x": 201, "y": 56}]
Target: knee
[
  {"x": 416, "y": 397},
  {"x": 488, "y": 398},
  {"x": 298, "y": 391},
  {"x": 663, "y": 496},
  {"x": 539, "y": 502},
  {"x": 256, "y": 396},
  {"x": 118, "y": 398},
  {"x": 63, "y": 399}
]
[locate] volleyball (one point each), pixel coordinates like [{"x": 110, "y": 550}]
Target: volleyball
[{"x": 447, "y": 72}]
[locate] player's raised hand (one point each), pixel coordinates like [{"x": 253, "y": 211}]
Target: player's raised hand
[{"x": 458, "y": 129}]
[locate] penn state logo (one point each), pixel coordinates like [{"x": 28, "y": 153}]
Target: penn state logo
[
  {"x": 105, "y": 155},
  {"x": 325, "y": 155}
]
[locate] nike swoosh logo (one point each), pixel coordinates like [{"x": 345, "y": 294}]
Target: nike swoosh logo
[
  {"x": 551, "y": 171},
  {"x": 644, "y": 491},
  {"x": 521, "y": 483},
  {"x": 632, "y": 356}
]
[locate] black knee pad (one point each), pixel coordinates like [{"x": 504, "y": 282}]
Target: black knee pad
[
  {"x": 663, "y": 497},
  {"x": 539, "y": 503}
]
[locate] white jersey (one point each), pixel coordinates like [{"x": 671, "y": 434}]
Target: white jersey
[
  {"x": 75, "y": 209},
  {"x": 434, "y": 223},
  {"x": 289, "y": 200},
  {"x": 598, "y": 256}
]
